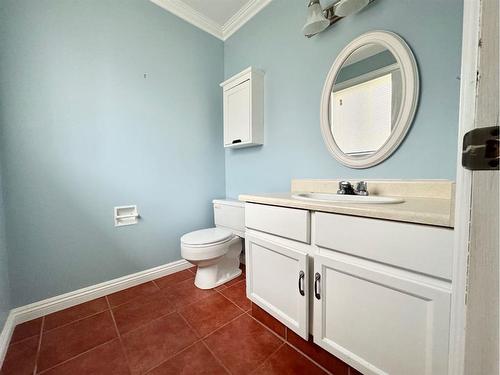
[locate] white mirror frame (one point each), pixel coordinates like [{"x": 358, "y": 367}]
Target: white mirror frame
[{"x": 409, "y": 100}]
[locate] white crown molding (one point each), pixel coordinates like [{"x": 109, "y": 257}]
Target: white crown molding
[
  {"x": 191, "y": 15},
  {"x": 241, "y": 17},
  {"x": 187, "y": 13}
]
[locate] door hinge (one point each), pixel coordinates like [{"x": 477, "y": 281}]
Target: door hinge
[{"x": 480, "y": 149}]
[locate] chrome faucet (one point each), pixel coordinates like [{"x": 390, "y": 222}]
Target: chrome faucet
[
  {"x": 345, "y": 187},
  {"x": 361, "y": 188}
]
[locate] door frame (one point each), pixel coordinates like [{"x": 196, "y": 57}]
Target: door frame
[{"x": 468, "y": 88}]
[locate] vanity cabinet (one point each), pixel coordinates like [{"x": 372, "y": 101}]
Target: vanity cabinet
[
  {"x": 243, "y": 101},
  {"x": 376, "y": 293}
]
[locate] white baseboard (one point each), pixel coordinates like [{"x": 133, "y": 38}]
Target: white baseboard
[
  {"x": 5, "y": 336},
  {"x": 38, "y": 309}
]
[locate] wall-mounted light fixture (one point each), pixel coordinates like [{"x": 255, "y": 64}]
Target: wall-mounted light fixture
[{"x": 319, "y": 19}]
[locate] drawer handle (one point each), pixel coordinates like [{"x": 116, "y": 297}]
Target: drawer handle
[
  {"x": 301, "y": 283},
  {"x": 317, "y": 279}
]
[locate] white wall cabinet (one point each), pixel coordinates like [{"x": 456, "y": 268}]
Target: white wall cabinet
[
  {"x": 279, "y": 277},
  {"x": 374, "y": 302},
  {"x": 243, "y": 100}
]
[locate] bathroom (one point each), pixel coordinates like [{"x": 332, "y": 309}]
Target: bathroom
[{"x": 117, "y": 145}]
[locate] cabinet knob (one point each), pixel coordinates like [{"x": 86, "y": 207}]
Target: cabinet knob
[
  {"x": 301, "y": 283},
  {"x": 317, "y": 279}
]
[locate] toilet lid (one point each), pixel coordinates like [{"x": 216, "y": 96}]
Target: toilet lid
[{"x": 206, "y": 236}]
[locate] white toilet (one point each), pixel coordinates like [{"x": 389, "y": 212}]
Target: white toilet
[{"x": 216, "y": 251}]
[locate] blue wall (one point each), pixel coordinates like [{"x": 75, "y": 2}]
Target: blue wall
[
  {"x": 4, "y": 279},
  {"x": 296, "y": 68},
  {"x": 84, "y": 131}
]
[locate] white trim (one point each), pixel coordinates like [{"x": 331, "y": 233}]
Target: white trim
[
  {"x": 241, "y": 17},
  {"x": 63, "y": 301},
  {"x": 470, "y": 53},
  {"x": 196, "y": 18},
  {"x": 5, "y": 336},
  {"x": 409, "y": 92},
  {"x": 187, "y": 13}
]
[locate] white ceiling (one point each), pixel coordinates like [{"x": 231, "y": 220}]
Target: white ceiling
[{"x": 220, "y": 18}]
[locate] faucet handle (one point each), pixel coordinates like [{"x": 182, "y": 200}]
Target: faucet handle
[
  {"x": 345, "y": 187},
  {"x": 362, "y": 188}
]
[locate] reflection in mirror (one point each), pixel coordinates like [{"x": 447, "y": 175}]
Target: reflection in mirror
[{"x": 365, "y": 100}]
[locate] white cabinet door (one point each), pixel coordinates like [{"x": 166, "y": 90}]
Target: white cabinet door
[
  {"x": 378, "y": 319},
  {"x": 237, "y": 120},
  {"x": 277, "y": 280}
]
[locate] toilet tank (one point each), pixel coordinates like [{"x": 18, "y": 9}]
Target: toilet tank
[{"x": 230, "y": 214}]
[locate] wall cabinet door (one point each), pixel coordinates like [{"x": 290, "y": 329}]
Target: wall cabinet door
[
  {"x": 277, "y": 280},
  {"x": 378, "y": 319},
  {"x": 237, "y": 114}
]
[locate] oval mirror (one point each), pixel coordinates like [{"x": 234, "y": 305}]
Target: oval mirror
[{"x": 369, "y": 99}]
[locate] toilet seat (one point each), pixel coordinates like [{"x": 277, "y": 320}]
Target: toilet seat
[
  {"x": 206, "y": 237},
  {"x": 206, "y": 244}
]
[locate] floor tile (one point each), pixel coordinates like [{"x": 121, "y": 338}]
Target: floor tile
[
  {"x": 105, "y": 359},
  {"x": 235, "y": 280},
  {"x": 237, "y": 293},
  {"x": 210, "y": 313},
  {"x": 141, "y": 311},
  {"x": 21, "y": 357},
  {"x": 288, "y": 361},
  {"x": 27, "y": 329},
  {"x": 243, "y": 344},
  {"x": 63, "y": 343},
  {"x": 353, "y": 371},
  {"x": 75, "y": 313},
  {"x": 186, "y": 293},
  {"x": 153, "y": 343},
  {"x": 196, "y": 360},
  {"x": 173, "y": 279},
  {"x": 129, "y": 294},
  {"x": 318, "y": 354},
  {"x": 268, "y": 320}
]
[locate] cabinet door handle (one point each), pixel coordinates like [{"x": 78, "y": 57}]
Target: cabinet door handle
[
  {"x": 301, "y": 283},
  {"x": 317, "y": 279},
  {"x": 236, "y": 141}
]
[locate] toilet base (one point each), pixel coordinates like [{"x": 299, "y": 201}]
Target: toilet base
[
  {"x": 211, "y": 274},
  {"x": 206, "y": 280}
]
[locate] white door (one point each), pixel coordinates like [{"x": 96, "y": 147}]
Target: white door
[
  {"x": 237, "y": 114},
  {"x": 483, "y": 307},
  {"x": 277, "y": 280},
  {"x": 378, "y": 319}
]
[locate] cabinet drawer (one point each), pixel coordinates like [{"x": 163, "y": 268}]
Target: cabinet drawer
[
  {"x": 284, "y": 222},
  {"x": 415, "y": 247}
]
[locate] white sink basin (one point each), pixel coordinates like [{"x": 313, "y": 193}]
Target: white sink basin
[{"x": 339, "y": 198}]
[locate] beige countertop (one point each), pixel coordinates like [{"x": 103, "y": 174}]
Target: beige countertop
[{"x": 425, "y": 202}]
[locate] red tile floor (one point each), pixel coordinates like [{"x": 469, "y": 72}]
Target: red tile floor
[{"x": 166, "y": 326}]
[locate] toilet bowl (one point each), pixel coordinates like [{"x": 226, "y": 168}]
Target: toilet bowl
[{"x": 216, "y": 251}]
